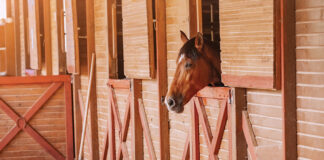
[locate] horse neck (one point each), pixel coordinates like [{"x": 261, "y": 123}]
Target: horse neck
[{"x": 213, "y": 55}]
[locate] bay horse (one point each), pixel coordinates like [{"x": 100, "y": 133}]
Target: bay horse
[{"x": 198, "y": 65}]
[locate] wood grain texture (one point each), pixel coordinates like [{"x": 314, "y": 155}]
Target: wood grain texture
[
  {"x": 48, "y": 132},
  {"x": 247, "y": 30},
  {"x": 72, "y": 41},
  {"x": 309, "y": 77},
  {"x": 138, "y": 39},
  {"x": 34, "y": 34}
]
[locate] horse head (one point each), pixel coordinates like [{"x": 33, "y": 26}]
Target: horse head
[{"x": 198, "y": 64}]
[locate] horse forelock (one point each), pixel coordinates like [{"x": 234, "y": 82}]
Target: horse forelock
[{"x": 188, "y": 50}]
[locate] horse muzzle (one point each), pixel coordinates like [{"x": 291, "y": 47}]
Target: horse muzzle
[{"x": 174, "y": 104}]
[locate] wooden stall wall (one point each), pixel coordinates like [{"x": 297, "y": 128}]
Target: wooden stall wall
[
  {"x": 265, "y": 113},
  {"x": 44, "y": 118},
  {"x": 149, "y": 87},
  {"x": 100, "y": 12},
  {"x": 310, "y": 78},
  {"x": 177, "y": 18}
]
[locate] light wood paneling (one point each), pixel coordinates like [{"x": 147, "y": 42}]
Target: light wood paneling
[
  {"x": 34, "y": 34},
  {"x": 248, "y": 44},
  {"x": 310, "y": 78},
  {"x": 138, "y": 39},
  {"x": 72, "y": 42}
]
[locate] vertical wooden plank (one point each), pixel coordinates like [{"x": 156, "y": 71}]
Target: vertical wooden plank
[
  {"x": 288, "y": 79},
  {"x": 47, "y": 37},
  {"x": 249, "y": 135},
  {"x": 146, "y": 129},
  {"x": 16, "y": 18},
  {"x": 72, "y": 55},
  {"x": 93, "y": 100},
  {"x": 193, "y": 18},
  {"x": 26, "y": 34},
  {"x": 194, "y": 143},
  {"x": 229, "y": 126},
  {"x": 10, "y": 49},
  {"x": 60, "y": 36},
  {"x": 77, "y": 113},
  {"x": 90, "y": 29},
  {"x": 199, "y": 16},
  {"x": 112, "y": 59},
  {"x": 277, "y": 45},
  {"x": 111, "y": 130},
  {"x": 9, "y": 8},
  {"x": 137, "y": 130},
  {"x": 162, "y": 78},
  {"x": 34, "y": 34},
  {"x": 239, "y": 102},
  {"x": 69, "y": 120}
]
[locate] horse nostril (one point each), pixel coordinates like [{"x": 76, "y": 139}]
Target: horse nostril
[{"x": 171, "y": 102}]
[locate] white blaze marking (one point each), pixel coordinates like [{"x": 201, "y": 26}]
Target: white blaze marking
[{"x": 181, "y": 58}]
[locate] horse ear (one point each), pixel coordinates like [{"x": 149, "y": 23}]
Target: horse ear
[
  {"x": 184, "y": 38},
  {"x": 199, "y": 41}
]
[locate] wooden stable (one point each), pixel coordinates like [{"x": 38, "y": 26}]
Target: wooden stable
[{"x": 271, "y": 51}]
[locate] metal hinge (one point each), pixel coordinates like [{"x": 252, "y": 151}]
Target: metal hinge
[{"x": 154, "y": 24}]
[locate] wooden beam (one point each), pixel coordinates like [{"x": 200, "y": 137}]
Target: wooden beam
[
  {"x": 60, "y": 36},
  {"x": 288, "y": 79},
  {"x": 260, "y": 82},
  {"x": 111, "y": 129},
  {"x": 162, "y": 77},
  {"x": 69, "y": 120},
  {"x": 17, "y": 52},
  {"x": 93, "y": 100},
  {"x": 9, "y": 8},
  {"x": 26, "y": 35},
  {"x": 137, "y": 130},
  {"x": 34, "y": 35},
  {"x": 72, "y": 55},
  {"x": 119, "y": 83},
  {"x": 194, "y": 142},
  {"x": 34, "y": 79},
  {"x": 77, "y": 114},
  {"x": 249, "y": 135},
  {"x": 146, "y": 129},
  {"x": 193, "y": 18},
  {"x": 239, "y": 103},
  {"x": 10, "y": 49},
  {"x": 47, "y": 36}
]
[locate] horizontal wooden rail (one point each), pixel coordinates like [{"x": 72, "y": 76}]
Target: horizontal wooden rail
[
  {"x": 119, "y": 83},
  {"x": 34, "y": 79}
]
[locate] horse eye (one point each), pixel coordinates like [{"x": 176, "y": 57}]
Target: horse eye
[{"x": 188, "y": 65}]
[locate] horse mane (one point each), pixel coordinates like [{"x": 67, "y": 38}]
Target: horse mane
[{"x": 190, "y": 51}]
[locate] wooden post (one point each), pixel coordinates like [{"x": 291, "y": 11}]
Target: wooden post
[
  {"x": 17, "y": 53},
  {"x": 111, "y": 130},
  {"x": 137, "y": 130},
  {"x": 194, "y": 143},
  {"x": 288, "y": 79},
  {"x": 34, "y": 34},
  {"x": 93, "y": 99},
  {"x": 47, "y": 37},
  {"x": 10, "y": 49},
  {"x": 26, "y": 35},
  {"x": 162, "y": 77},
  {"x": 239, "y": 103},
  {"x": 77, "y": 113},
  {"x": 193, "y": 18}
]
